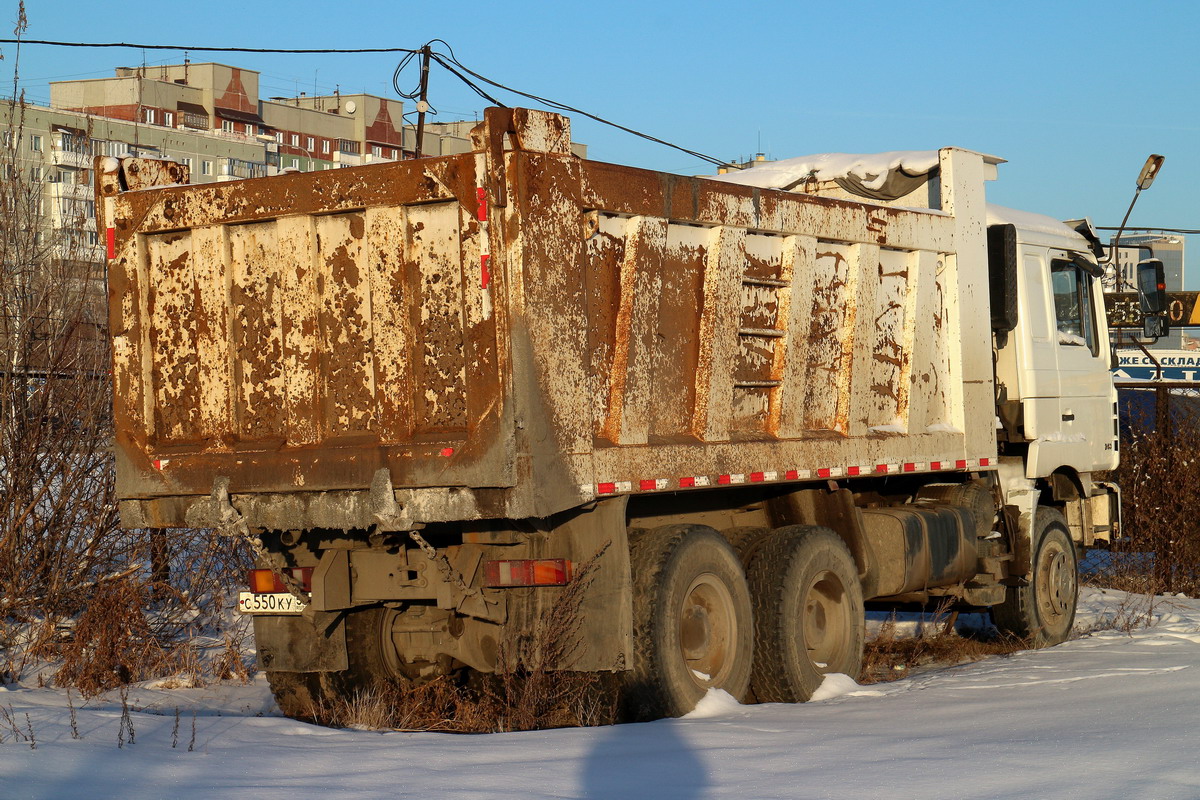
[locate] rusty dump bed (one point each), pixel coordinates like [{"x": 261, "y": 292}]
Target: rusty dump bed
[{"x": 515, "y": 331}]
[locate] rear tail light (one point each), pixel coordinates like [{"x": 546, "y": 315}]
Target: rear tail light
[
  {"x": 528, "y": 572},
  {"x": 265, "y": 581}
]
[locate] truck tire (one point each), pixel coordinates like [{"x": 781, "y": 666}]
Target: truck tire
[
  {"x": 371, "y": 658},
  {"x": 1043, "y": 610},
  {"x": 745, "y": 541},
  {"x": 297, "y": 694},
  {"x": 692, "y": 623},
  {"x": 808, "y": 613}
]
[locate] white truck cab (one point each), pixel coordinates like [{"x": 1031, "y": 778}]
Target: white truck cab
[
  {"x": 1053, "y": 368},
  {"x": 1056, "y": 404}
]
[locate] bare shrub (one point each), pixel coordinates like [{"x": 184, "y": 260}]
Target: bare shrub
[
  {"x": 533, "y": 687},
  {"x": 57, "y": 510},
  {"x": 115, "y": 644},
  {"x": 1158, "y": 550},
  {"x": 62, "y": 551}
]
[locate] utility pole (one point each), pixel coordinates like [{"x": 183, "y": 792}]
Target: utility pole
[{"x": 423, "y": 101}]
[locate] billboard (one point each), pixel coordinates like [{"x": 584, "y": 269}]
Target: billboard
[{"x": 1177, "y": 365}]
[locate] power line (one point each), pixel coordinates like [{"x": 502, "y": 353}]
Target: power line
[
  {"x": 1151, "y": 230},
  {"x": 313, "y": 50},
  {"x": 445, "y": 60}
]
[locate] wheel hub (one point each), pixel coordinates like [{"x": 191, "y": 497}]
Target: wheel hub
[
  {"x": 707, "y": 630},
  {"x": 1059, "y": 583},
  {"x": 824, "y": 621}
]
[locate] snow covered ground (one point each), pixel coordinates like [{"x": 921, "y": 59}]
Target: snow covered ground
[{"x": 1108, "y": 715}]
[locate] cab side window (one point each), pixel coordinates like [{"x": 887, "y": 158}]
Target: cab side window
[{"x": 1073, "y": 311}]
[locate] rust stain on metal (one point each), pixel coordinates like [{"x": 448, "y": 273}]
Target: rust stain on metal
[{"x": 304, "y": 331}]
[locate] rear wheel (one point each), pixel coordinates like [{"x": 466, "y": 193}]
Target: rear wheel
[
  {"x": 1043, "y": 610},
  {"x": 745, "y": 541},
  {"x": 692, "y": 621},
  {"x": 298, "y": 694},
  {"x": 371, "y": 659},
  {"x": 808, "y": 613}
]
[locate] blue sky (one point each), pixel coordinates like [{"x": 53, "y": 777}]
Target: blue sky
[{"x": 1074, "y": 94}]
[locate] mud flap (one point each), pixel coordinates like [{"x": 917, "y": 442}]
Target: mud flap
[{"x": 296, "y": 644}]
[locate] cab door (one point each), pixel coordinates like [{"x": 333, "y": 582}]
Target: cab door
[{"x": 1069, "y": 397}]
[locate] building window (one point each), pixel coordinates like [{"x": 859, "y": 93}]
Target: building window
[
  {"x": 295, "y": 140},
  {"x": 169, "y": 119},
  {"x": 187, "y": 162},
  {"x": 206, "y": 168},
  {"x": 348, "y": 146},
  {"x": 295, "y": 163},
  {"x": 148, "y": 116},
  {"x": 35, "y": 142},
  {"x": 324, "y": 145},
  {"x": 312, "y": 144},
  {"x": 249, "y": 129},
  {"x": 377, "y": 151},
  {"x": 35, "y": 174},
  {"x": 227, "y": 126}
]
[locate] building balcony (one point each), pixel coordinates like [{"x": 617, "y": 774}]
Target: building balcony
[
  {"x": 68, "y": 158},
  {"x": 71, "y": 191},
  {"x": 71, "y": 222},
  {"x": 347, "y": 159}
]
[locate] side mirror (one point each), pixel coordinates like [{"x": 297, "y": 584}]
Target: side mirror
[
  {"x": 1002, "y": 275},
  {"x": 1152, "y": 286},
  {"x": 1154, "y": 328}
]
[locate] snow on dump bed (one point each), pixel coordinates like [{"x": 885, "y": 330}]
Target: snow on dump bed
[
  {"x": 1109, "y": 715},
  {"x": 871, "y": 169}
]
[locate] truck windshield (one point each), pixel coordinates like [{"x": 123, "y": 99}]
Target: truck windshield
[{"x": 1073, "y": 306}]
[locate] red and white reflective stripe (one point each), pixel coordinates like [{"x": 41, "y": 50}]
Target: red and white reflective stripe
[
  {"x": 159, "y": 463},
  {"x": 481, "y": 196},
  {"x": 110, "y": 241},
  {"x": 481, "y": 213},
  {"x": 772, "y": 476}
]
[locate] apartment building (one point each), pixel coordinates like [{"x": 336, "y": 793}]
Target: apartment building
[{"x": 210, "y": 117}]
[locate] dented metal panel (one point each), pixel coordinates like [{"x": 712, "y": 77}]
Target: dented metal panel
[{"x": 514, "y": 327}]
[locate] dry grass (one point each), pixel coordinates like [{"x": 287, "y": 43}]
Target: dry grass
[{"x": 889, "y": 656}]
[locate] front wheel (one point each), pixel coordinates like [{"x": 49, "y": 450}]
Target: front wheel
[
  {"x": 692, "y": 621},
  {"x": 808, "y": 613},
  {"x": 1043, "y": 610}
]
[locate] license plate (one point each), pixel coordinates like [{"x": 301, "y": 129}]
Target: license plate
[{"x": 281, "y": 603}]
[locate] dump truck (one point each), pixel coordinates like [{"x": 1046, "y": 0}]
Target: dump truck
[{"x": 441, "y": 397}]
